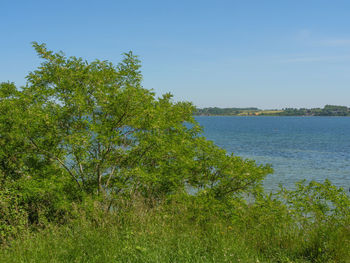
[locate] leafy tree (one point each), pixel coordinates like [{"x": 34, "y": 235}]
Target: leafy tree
[{"x": 82, "y": 128}]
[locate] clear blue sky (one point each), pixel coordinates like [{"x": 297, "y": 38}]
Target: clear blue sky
[{"x": 268, "y": 54}]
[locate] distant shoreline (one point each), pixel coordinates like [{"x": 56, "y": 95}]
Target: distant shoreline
[
  {"x": 196, "y": 115},
  {"x": 328, "y": 110}
]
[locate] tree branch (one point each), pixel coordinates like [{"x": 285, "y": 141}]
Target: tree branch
[
  {"x": 110, "y": 176},
  {"x": 53, "y": 157}
]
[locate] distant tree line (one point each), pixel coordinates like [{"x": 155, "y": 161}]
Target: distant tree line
[{"x": 328, "y": 110}]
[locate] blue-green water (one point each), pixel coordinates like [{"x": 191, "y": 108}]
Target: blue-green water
[{"x": 311, "y": 148}]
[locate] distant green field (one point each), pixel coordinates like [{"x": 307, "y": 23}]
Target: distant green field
[{"x": 262, "y": 112}]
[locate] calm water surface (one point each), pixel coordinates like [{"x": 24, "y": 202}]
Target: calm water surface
[{"x": 311, "y": 148}]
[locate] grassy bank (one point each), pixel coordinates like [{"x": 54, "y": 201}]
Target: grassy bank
[
  {"x": 140, "y": 237},
  {"x": 185, "y": 231}
]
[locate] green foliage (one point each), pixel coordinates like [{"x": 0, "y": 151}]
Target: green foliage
[
  {"x": 328, "y": 110},
  {"x": 106, "y": 171},
  {"x": 319, "y": 202},
  {"x": 142, "y": 235},
  {"x": 13, "y": 218},
  {"x": 322, "y": 212},
  {"x": 80, "y": 129},
  {"x": 187, "y": 229}
]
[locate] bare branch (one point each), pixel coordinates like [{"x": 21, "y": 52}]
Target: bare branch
[{"x": 110, "y": 176}]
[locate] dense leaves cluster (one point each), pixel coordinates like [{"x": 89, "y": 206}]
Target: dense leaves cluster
[{"x": 90, "y": 129}]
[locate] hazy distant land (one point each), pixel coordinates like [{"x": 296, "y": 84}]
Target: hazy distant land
[{"x": 328, "y": 110}]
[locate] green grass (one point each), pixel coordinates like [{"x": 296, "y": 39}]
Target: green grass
[
  {"x": 139, "y": 238},
  {"x": 163, "y": 234}
]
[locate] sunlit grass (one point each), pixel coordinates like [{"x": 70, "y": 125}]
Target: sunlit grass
[{"x": 169, "y": 233}]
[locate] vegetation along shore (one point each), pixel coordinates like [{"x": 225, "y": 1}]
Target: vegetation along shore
[
  {"x": 328, "y": 110},
  {"x": 96, "y": 168}
]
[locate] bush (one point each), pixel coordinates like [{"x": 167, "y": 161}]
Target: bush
[{"x": 13, "y": 217}]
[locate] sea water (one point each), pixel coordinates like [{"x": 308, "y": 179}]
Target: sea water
[{"x": 310, "y": 148}]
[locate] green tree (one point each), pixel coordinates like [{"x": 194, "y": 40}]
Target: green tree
[{"x": 91, "y": 128}]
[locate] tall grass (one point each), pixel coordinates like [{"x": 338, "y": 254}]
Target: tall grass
[{"x": 178, "y": 232}]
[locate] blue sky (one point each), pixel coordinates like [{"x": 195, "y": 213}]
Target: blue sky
[{"x": 268, "y": 54}]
